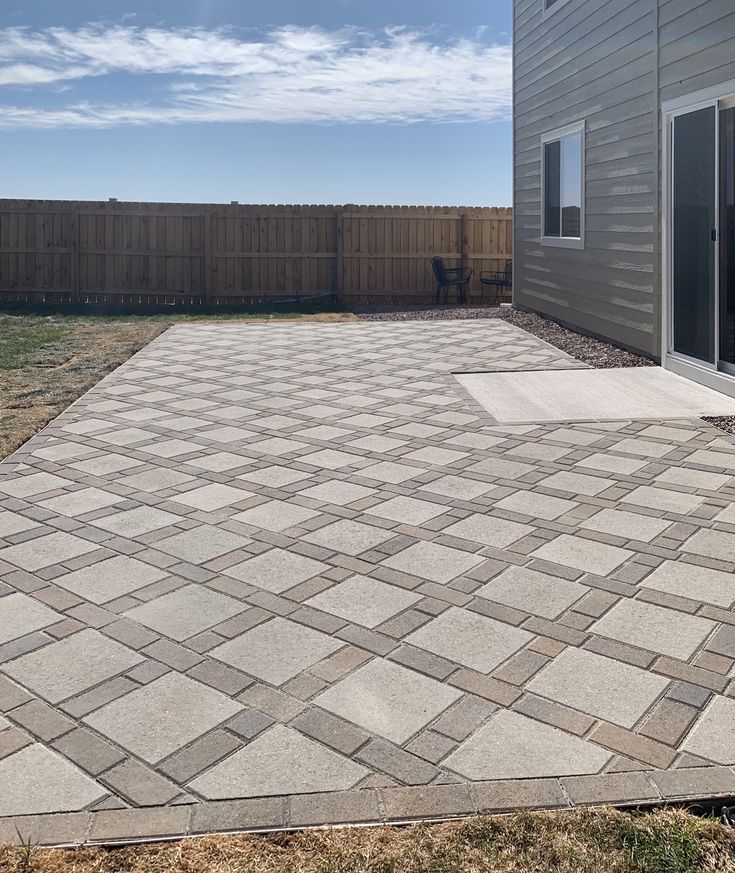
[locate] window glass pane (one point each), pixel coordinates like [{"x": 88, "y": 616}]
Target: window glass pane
[
  {"x": 571, "y": 195},
  {"x": 550, "y": 3},
  {"x": 552, "y": 188}
]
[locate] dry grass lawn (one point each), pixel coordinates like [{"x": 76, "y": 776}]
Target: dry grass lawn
[
  {"x": 586, "y": 841},
  {"x": 47, "y": 361}
]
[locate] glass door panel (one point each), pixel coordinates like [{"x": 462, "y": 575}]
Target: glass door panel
[
  {"x": 727, "y": 238},
  {"x": 694, "y": 223}
]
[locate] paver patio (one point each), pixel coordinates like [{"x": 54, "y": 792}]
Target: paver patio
[{"x": 270, "y": 576}]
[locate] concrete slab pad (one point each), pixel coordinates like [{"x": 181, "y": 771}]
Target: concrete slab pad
[{"x": 584, "y": 395}]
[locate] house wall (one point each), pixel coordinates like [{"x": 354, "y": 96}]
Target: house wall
[
  {"x": 592, "y": 61},
  {"x": 610, "y": 63}
]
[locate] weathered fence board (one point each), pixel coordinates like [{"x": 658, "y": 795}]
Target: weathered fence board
[{"x": 113, "y": 252}]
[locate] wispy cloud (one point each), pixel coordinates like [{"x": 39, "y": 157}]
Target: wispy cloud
[{"x": 291, "y": 74}]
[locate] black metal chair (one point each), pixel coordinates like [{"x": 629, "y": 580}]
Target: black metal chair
[
  {"x": 496, "y": 280},
  {"x": 450, "y": 277}
]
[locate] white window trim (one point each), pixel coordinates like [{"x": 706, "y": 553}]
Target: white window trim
[
  {"x": 564, "y": 242},
  {"x": 552, "y": 9}
]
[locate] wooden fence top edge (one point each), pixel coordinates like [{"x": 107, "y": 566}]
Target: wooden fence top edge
[{"x": 296, "y": 209}]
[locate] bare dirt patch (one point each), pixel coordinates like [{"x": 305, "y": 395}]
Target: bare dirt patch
[{"x": 587, "y": 841}]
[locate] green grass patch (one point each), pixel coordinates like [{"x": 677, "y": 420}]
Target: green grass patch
[{"x": 22, "y": 337}]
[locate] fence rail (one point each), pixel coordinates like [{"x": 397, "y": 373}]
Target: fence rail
[{"x": 112, "y": 252}]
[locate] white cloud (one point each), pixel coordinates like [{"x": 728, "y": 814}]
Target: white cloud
[{"x": 290, "y": 74}]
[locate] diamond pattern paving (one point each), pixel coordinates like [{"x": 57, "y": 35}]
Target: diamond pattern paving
[{"x": 268, "y": 560}]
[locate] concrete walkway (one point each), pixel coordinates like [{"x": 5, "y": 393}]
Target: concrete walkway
[{"x": 269, "y": 576}]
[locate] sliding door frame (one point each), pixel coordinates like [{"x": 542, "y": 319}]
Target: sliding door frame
[{"x": 709, "y": 373}]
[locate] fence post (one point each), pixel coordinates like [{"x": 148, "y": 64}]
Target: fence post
[
  {"x": 340, "y": 247},
  {"x": 75, "y": 242},
  {"x": 207, "y": 257}
]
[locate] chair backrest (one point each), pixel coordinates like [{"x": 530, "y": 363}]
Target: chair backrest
[
  {"x": 437, "y": 265},
  {"x": 508, "y": 272}
]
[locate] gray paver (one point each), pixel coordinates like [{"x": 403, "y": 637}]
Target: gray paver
[
  {"x": 582, "y": 554},
  {"x": 401, "y": 701},
  {"x": 161, "y": 717},
  {"x": 110, "y": 578},
  {"x": 276, "y": 570},
  {"x": 470, "y": 639},
  {"x": 279, "y": 761},
  {"x": 21, "y": 615},
  {"x": 364, "y": 600},
  {"x": 433, "y": 562},
  {"x": 186, "y": 611},
  {"x": 36, "y": 780},
  {"x": 62, "y": 669},
  {"x": 277, "y": 650},
  {"x": 512, "y": 746},
  {"x": 712, "y": 736},
  {"x": 599, "y": 686},
  {"x": 532, "y": 591},
  {"x": 652, "y": 627}
]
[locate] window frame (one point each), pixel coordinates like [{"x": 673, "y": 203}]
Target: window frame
[
  {"x": 550, "y": 10},
  {"x": 564, "y": 242}
]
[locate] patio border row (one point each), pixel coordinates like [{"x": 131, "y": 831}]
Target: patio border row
[{"x": 369, "y": 807}]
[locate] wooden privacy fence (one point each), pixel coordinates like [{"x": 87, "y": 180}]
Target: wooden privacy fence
[{"x": 194, "y": 254}]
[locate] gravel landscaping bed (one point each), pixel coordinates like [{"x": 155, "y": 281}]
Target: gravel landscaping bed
[
  {"x": 595, "y": 353},
  {"x": 724, "y": 422}
]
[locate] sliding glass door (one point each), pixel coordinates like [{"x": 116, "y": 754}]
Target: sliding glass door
[
  {"x": 727, "y": 239},
  {"x": 694, "y": 217}
]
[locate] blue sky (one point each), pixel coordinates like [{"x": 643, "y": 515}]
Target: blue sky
[{"x": 317, "y": 101}]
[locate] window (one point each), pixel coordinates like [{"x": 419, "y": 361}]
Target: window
[{"x": 563, "y": 187}]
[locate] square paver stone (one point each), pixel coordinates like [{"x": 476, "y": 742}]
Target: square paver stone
[
  {"x": 277, "y": 650},
  {"x": 211, "y": 497},
  {"x": 349, "y": 537},
  {"x": 391, "y": 472},
  {"x": 220, "y": 462},
  {"x": 583, "y": 554},
  {"x": 536, "y": 505},
  {"x": 33, "y": 484},
  {"x": 600, "y": 686},
  {"x": 12, "y": 523},
  {"x": 47, "y": 550},
  {"x": 337, "y": 492},
  {"x": 80, "y": 502},
  {"x": 663, "y": 499},
  {"x": 436, "y": 563},
  {"x": 533, "y": 592},
  {"x": 654, "y": 628},
  {"x": 488, "y": 530},
  {"x": 364, "y": 600},
  {"x": 65, "y": 668},
  {"x": 712, "y": 736},
  {"x": 457, "y": 487},
  {"x": 21, "y": 615},
  {"x": 201, "y": 544},
  {"x": 630, "y": 525},
  {"x": 407, "y": 510},
  {"x": 280, "y": 761},
  {"x": 156, "y": 720},
  {"x": 275, "y": 476},
  {"x": 134, "y": 522},
  {"x": 110, "y": 578},
  {"x": 512, "y": 746},
  {"x": 186, "y": 611},
  {"x": 388, "y": 700},
  {"x": 275, "y": 515},
  {"x": 712, "y": 544},
  {"x": 694, "y": 582},
  {"x": 158, "y": 479},
  {"x": 36, "y": 780},
  {"x": 472, "y": 640},
  {"x": 276, "y": 570}
]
